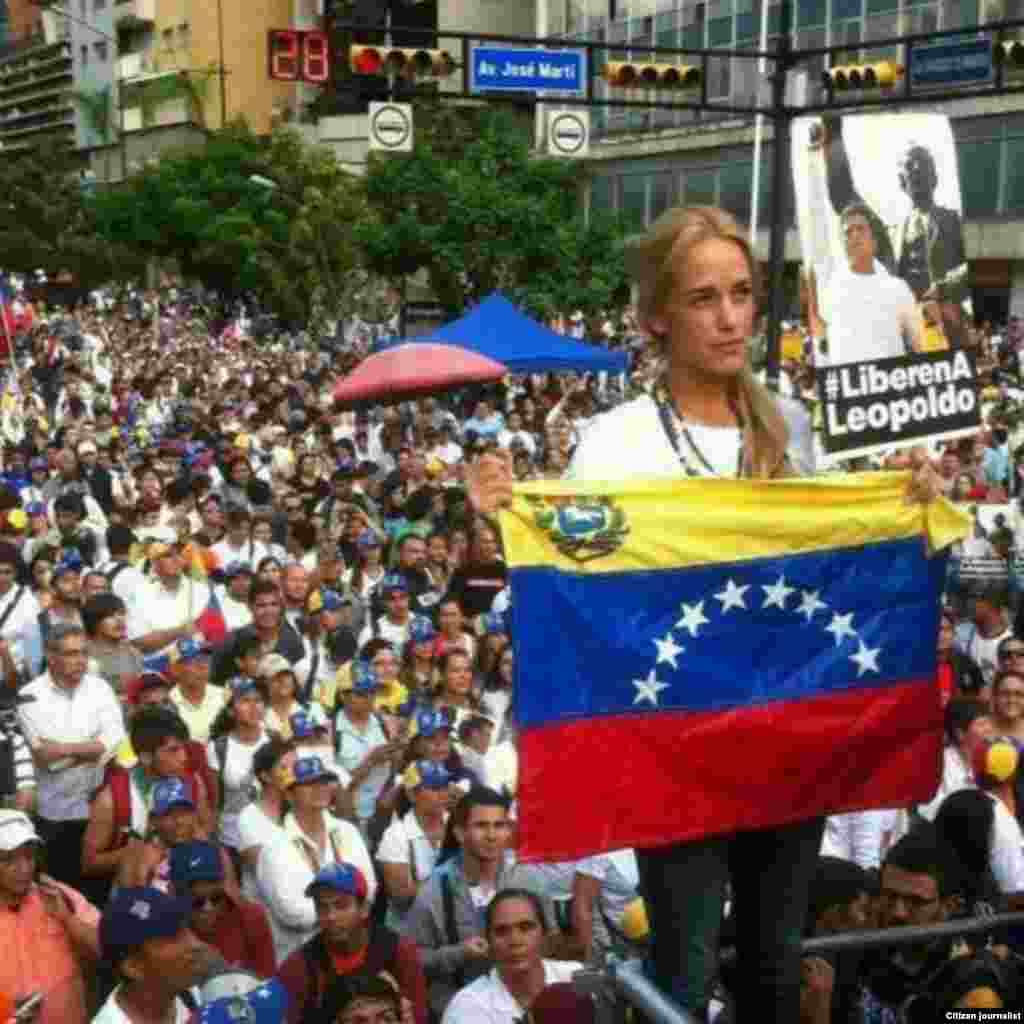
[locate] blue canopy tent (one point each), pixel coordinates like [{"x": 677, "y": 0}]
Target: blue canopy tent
[{"x": 498, "y": 329}]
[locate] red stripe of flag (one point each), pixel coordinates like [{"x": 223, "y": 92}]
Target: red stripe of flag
[{"x": 746, "y": 768}]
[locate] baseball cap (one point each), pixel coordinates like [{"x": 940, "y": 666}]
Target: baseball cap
[
  {"x": 71, "y": 562},
  {"x": 143, "y": 682},
  {"x": 394, "y": 582},
  {"x": 303, "y": 726},
  {"x": 491, "y": 623},
  {"x": 168, "y": 794},
  {"x": 310, "y": 769},
  {"x": 323, "y": 600},
  {"x": 429, "y": 722},
  {"x": 995, "y": 760},
  {"x": 189, "y": 649},
  {"x": 38, "y": 463},
  {"x": 421, "y": 630},
  {"x": 266, "y": 1004},
  {"x": 272, "y": 664},
  {"x": 35, "y": 508},
  {"x": 135, "y": 916},
  {"x": 368, "y": 539},
  {"x": 240, "y": 686},
  {"x": 341, "y": 877},
  {"x": 233, "y": 569},
  {"x": 197, "y": 861},
  {"x": 364, "y": 678},
  {"x": 16, "y": 829},
  {"x": 429, "y": 774}
]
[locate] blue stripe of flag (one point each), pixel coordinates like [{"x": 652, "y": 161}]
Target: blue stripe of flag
[{"x": 584, "y": 642}]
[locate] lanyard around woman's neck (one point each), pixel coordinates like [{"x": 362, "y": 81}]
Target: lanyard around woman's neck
[{"x": 670, "y": 416}]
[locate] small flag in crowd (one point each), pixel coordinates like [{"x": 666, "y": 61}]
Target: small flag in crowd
[
  {"x": 707, "y": 656},
  {"x": 211, "y": 622}
]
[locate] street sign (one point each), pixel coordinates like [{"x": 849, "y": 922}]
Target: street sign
[
  {"x": 569, "y": 133},
  {"x": 391, "y": 127},
  {"x": 959, "y": 62},
  {"x": 497, "y": 69}
]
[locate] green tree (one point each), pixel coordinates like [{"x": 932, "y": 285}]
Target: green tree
[
  {"x": 243, "y": 214},
  {"x": 477, "y": 212},
  {"x": 47, "y": 223}
]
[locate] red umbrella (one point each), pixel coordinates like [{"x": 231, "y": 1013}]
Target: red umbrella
[{"x": 415, "y": 368}]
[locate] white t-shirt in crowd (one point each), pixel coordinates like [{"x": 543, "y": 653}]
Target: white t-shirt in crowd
[
  {"x": 238, "y": 783},
  {"x": 863, "y": 313},
  {"x": 255, "y": 830},
  {"x": 111, "y": 1012},
  {"x": 405, "y": 842},
  {"x": 488, "y": 1001},
  {"x": 860, "y": 836},
  {"x": 1007, "y": 854}
]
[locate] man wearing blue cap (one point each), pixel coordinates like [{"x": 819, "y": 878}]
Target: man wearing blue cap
[
  {"x": 393, "y": 625},
  {"x": 238, "y": 929},
  {"x": 265, "y": 1004},
  {"x": 146, "y": 940},
  {"x": 347, "y": 945},
  {"x": 197, "y": 701},
  {"x": 409, "y": 847},
  {"x": 317, "y": 669},
  {"x": 364, "y": 748},
  {"x": 234, "y": 600}
]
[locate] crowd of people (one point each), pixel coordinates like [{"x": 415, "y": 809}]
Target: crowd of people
[{"x": 262, "y": 656}]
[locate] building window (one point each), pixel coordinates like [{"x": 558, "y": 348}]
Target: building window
[
  {"x": 634, "y": 200},
  {"x": 100, "y": 49},
  {"x": 99, "y": 5},
  {"x": 85, "y": 55}
]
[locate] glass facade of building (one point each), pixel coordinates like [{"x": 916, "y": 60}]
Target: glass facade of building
[
  {"x": 736, "y": 24},
  {"x": 990, "y": 153}
]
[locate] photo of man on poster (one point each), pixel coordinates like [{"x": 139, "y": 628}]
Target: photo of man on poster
[{"x": 925, "y": 247}]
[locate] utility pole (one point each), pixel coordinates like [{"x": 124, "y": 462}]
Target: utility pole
[{"x": 783, "y": 122}]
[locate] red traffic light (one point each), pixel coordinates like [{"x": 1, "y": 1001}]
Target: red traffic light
[{"x": 366, "y": 60}]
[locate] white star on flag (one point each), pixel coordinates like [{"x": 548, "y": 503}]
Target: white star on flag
[
  {"x": 668, "y": 650},
  {"x": 810, "y": 603},
  {"x": 841, "y": 626},
  {"x": 866, "y": 659},
  {"x": 732, "y": 596},
  {"x": 648, "y": 689},
  {"x": 777, "y": 594},
  {"x": 693, "y": 618}
]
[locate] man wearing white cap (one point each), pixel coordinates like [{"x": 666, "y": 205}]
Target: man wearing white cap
[{"x": 49, "y": 929}]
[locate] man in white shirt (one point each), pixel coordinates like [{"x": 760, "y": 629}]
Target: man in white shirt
[
  {"x": 74, "y": 726},
  {"x": 197, "y": 701},
  {"x": 515, "y": 929},
  {"x": 870, "y": 313},
  {"x": 234, "y": 602},
  {"x": 125, "y": 580},
  {"x": 170, "y": 605},
  {"x": 146, "y": 940}
]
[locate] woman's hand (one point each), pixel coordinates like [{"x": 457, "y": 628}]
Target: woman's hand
[
  {"x": 924, "y": 484},
  {"x": 489, "y": 482}
]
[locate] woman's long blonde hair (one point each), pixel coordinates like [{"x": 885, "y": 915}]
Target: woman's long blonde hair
[{"x": 654, "y": 260}]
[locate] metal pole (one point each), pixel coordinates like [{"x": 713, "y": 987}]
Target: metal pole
[
  {"x": 222, "y": 70},
  {"x": 755, "y": 186},
  {"x": 120, "y": 115},
  {"x": 780, "y": 183},
  {"x": 542, "y": 31},
  {"x": 629, "y": 980}
]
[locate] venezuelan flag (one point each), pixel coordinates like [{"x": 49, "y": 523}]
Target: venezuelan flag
[{"x": 706, "y": 656}]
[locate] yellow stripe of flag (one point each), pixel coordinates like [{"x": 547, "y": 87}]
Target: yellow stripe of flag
[{"x": 607, "y": 527}]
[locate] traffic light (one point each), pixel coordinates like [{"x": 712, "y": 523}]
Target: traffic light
[
  {"x": 632, "y": 75},
  {"x": 1010, "y": 53},
  {"x": 378, "y": 60},
  {"x": 882, "y": 75}
]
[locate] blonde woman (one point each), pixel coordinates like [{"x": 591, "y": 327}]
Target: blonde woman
[{"x": 706, "y": 416}]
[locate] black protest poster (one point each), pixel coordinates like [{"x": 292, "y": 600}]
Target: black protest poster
[{"x": 880, "y": 404}]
